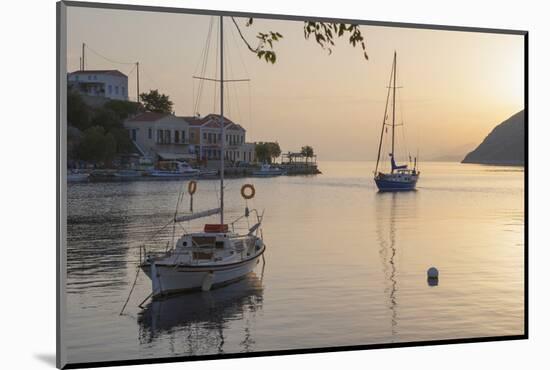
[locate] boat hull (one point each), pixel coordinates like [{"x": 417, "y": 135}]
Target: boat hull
[
  {"x": 391, "y": 185},
  {"x": 174, "y": 175},
  {"x": 168, "y": 279},
  {"x": 267, "y": 174},
  {"x": 77, "y": 177}
]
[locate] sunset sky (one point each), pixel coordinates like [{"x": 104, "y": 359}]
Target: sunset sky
[{"x": 456, "y": 85}]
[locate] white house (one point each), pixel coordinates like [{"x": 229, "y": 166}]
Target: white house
[
  {"x": 111, "y": 84},
  {"x": 205, "y": 135},
  {"x": 160, "y": 135}
]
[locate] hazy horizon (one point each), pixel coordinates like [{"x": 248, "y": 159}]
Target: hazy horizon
[{"x": 457, "y": 85}]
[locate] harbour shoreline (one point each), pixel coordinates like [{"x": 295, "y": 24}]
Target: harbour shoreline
[{"x": 111, "y": 175}]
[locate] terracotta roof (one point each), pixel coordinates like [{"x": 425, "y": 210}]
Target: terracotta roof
[
  {"x": 193, "y": 121},
  {"x": 113, "y": 72},
  {"x": 211, "y": 120},
  {"x": 148, "y": 117}
]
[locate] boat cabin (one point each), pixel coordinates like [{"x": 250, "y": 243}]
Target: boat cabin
[{"x": 176, "y": 166}]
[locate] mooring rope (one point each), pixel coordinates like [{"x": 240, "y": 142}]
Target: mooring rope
[{"x": 131, "y": 290}]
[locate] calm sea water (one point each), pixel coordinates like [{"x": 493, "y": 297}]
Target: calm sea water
[{"x": 345, "y": 265}]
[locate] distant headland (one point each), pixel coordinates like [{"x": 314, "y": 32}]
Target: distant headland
[{"x": 503, "y": 146}]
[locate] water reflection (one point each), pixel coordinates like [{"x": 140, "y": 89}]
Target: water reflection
[
  {"x": 104, "y": 228},
  {"x": 477, "y": 236},
  {"x": 390, "y": 209},
  {"x": 200, "y": 318}
]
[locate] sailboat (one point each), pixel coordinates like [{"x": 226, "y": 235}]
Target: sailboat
[
  {"x": 400, "y": 178},
  {"x": 216, "y": 255}
]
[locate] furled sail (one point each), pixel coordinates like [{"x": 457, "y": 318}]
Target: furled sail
[
  {"x": 196, "y": 215},
  {"x": 394, "y": 165}
]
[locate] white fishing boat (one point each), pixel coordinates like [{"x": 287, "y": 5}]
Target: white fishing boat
[
  {"x": 174, "y": 169},
  {"x": 267, "y": 170},
  {"x": 216, "y": 255}
]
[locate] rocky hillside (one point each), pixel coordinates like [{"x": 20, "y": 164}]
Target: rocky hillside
[{"x": 504, "y": 145}]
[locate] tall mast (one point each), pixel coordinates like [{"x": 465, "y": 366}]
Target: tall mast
[
  {"x": 393, "y": 113},
  {"x": 222, "y": 123},
  {"x": 384, "y": 121}
]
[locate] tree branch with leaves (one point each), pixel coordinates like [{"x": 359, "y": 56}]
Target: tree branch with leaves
[{"x": 324, "y": 34}]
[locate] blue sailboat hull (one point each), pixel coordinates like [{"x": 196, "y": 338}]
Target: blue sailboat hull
[{"x": 389, "y": 185}]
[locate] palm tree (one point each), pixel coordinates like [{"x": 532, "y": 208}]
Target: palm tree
[{"x": 307, "y": 151}]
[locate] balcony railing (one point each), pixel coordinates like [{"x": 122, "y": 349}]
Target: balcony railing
[
  {"x": 219, "y": 144},
  {"x": 184, "y": 142}
]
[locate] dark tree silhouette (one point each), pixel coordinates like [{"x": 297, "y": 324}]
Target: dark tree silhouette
[{"x": 153, "y": 101}]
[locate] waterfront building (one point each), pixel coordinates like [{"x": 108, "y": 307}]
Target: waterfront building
[
  {"x": 206, "y": 136},
  {"x": 111, "y": 84},
  {"x": 161, "y": 136}
]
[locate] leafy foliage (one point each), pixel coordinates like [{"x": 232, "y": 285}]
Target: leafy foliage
[
  {"x": 267, "y": 152},
  {"x": 307, "y": 151},
  {"x": 264, "y": 49},
  {"x": 106, "y": 118},
  {"x": 97, "y": 133},
  {"x": 97, "y": 145},
  {"x": 324, "y": 34},
  {"x": 78, "y": 112},
  {"x": 153, "y": 101},
  {"x": 123, "y": 109}
]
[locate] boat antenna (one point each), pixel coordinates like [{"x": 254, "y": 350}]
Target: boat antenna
[{"x": 393, "y": 113}]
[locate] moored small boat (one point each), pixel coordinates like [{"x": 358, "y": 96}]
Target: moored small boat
[
  {"x": 266, "y": 170},
  {"x": 215, "y": 256},
  {"x": 175, "y": 169},
  {"x": 76, "y": 176},
  {"x": 203, "y": 260},
  {"x": 400, "y": 177},
  {"x": 128, "y": 174},
  {"x": 206, "y": 173}
]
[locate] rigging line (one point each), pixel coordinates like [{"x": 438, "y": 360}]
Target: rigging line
[
  {"x": 239, "y": 52},
  {"x": 249, "y": 105},
  {"x": 148, "y": 76},
  {"x": 384, "y": 121},
  {"x": 235, "y": 89},
  {"x": 104, "y": 57},
  {"x": 132, "y": 70},
  {"x": 216, "y": 65},
  {"x": 227, "y": 89},
  {"x": 247, "y": 75},
  {"x": 204, "y": 66},
  {"x": 200, "y": 61},
  {"x": 403, "y": 128},
  {"x": 196, "y": 98}
]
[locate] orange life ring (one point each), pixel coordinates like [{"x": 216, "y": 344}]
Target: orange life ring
[
  {"x": 192, "y": 187},
  {"x": 246, "y": 195}
]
